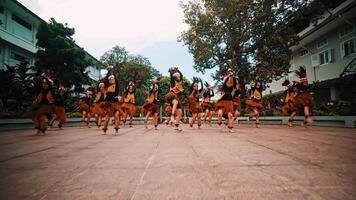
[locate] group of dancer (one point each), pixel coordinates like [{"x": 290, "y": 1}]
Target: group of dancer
[{"x": 109, "y": 102}]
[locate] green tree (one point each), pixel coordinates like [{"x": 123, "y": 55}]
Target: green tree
[
  {"x": 17, "y": 91},
  {"x": 59, "y": 54},
  {"x": 132, "y": 67},
  {"x": 250, "y": 37}
]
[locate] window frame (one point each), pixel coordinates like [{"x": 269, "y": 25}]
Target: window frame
[
  {"x": 342, "y": 49},
  {"x": 326, "y": 43},
  {"x": 343, "y": 36},
  {"x": 300, "y": 53},
  {"x": 21, "y": 22}
]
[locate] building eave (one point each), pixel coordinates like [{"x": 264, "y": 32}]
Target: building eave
[{"x": 309, "y": 33}]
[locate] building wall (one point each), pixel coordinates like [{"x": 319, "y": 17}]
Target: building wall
[
  {"x": 18, "y": 31},
  {"x": 325, "y": 71}
]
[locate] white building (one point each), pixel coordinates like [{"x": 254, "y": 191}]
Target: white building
[
  {"x": 327, "y": 49},
  {"x": 18, "y": 29}
]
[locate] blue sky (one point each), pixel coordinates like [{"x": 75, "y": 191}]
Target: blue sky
[{"x": 149, "y": 28}]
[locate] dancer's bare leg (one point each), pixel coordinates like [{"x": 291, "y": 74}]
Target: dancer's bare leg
[
  {"x": 307, "y": 118},
  {"x": 193, "y": 120},
  {"x": 178, "y": 118},
  {"x": 146, "y": 119},
  {"x": 199, "y": 120},
  {"x": 107, "y": 121},
  {"x": 257, "y": 115},
  {"x": 230, "y": 122},
  {"x": 117, "y": 121},
  {"x": 291, "y": 118},
  {"x": 220, "y": 115},
  {"x": 83, "y": 118},
  {"x": 155, "y": 120}
]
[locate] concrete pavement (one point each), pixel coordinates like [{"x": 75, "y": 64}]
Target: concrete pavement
[{"x": 271, "y": 162}]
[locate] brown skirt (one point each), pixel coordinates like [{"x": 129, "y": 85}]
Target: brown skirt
[
  {"x": 41, "y": 109},
  {"x": 169, "y": 97},
  {"x": 60, "y": 113},
  {"x": 84, "y": 107},
  {"x": 110, "y": 107},
  {"x": 253, "y": 103},
  {"x": 288, "y": 108},
  {"x": 98, "y": 109},
  {"x": 149, "y": 107},
  {"x": 304, "y": 99},
  {"x": 236, "y": 102},
  {"x": 226, "y": 105},
  {"x": 168, "y": 110},
  {"x": 207, "y": 105},
  {"x": 129, "y": 108}
]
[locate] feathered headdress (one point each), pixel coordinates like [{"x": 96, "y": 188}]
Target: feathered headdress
[
  {"x": 206, "y": 84},
  {"x": 302, "y": 74},
  {"x": 286, "y": 82}
]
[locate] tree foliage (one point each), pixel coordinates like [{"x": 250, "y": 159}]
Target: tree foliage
[
  {"x": 17, "y": 91},
  {"x": 59, "y": 54},
  {"x": 131, "y": 67},
  {"x": 250, "y": 37}
]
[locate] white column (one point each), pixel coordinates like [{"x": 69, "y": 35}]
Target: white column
[{"x": 332, "y": 93}]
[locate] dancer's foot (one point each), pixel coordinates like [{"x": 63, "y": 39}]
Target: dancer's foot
[
  {"x": 104, "y": 131},
  {"x": 257, "y": 124},
  {"x": 177, "y": 128},
  {"x": 231, "y": 130}
]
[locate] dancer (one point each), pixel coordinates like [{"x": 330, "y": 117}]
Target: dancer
[
  {"x": 193, "y": 99},
  {"x": 224, "y": 104},
  {"x": 289, "y": 107},
  {"x": 98, "y": 104},
  {"x": 207, "y": 105},
  {"x": 173, "y": 97},
  {"x": 236, "y": 99},
  {"x": 85, "y": 105},
  {"x": 303, "y": 99},
  {"x": 111, "y": 104},
  {"x": 151, "y": 106},
  {"x": 254, "y": 102},
  {"x": 59, "y": 113},
  {"x": 42, "y": 105},
  {"x": 128, "y": 105}
]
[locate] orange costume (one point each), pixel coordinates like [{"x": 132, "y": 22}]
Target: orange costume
[
  {"x": 151, "y": 105},
  {"x": 43, "y": 104},
  {"x": 128, "y": 105},
  {"x": 225, "y": 105}
]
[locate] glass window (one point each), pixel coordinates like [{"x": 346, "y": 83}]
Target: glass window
[
  {"x": 346, "y": 29},
  {"x": 21, "y": 22},
  {"x": 322, "y": 43},
  {"x": 18, "y": 57},
  {"x": 348, "y": 47},
  {"x": 325, "y": 57},
  {"x": 303, "y": 52}
]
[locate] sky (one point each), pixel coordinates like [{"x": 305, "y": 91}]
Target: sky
[{"x": 146, "y": 27}]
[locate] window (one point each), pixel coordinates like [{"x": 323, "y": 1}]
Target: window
[
  {"x": 21, "y": 22},
  {"x": 303, "y": 52},
  {"x": 322, "y": 43},
  {"x": 322, "y": 58},
  {"x": 18, "y": 57},
  {"x": 345, "y": 30},
  {"x": 348, "y": 47}
]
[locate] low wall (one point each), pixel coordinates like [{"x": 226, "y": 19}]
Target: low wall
[{"x": 334, "y": 121}]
